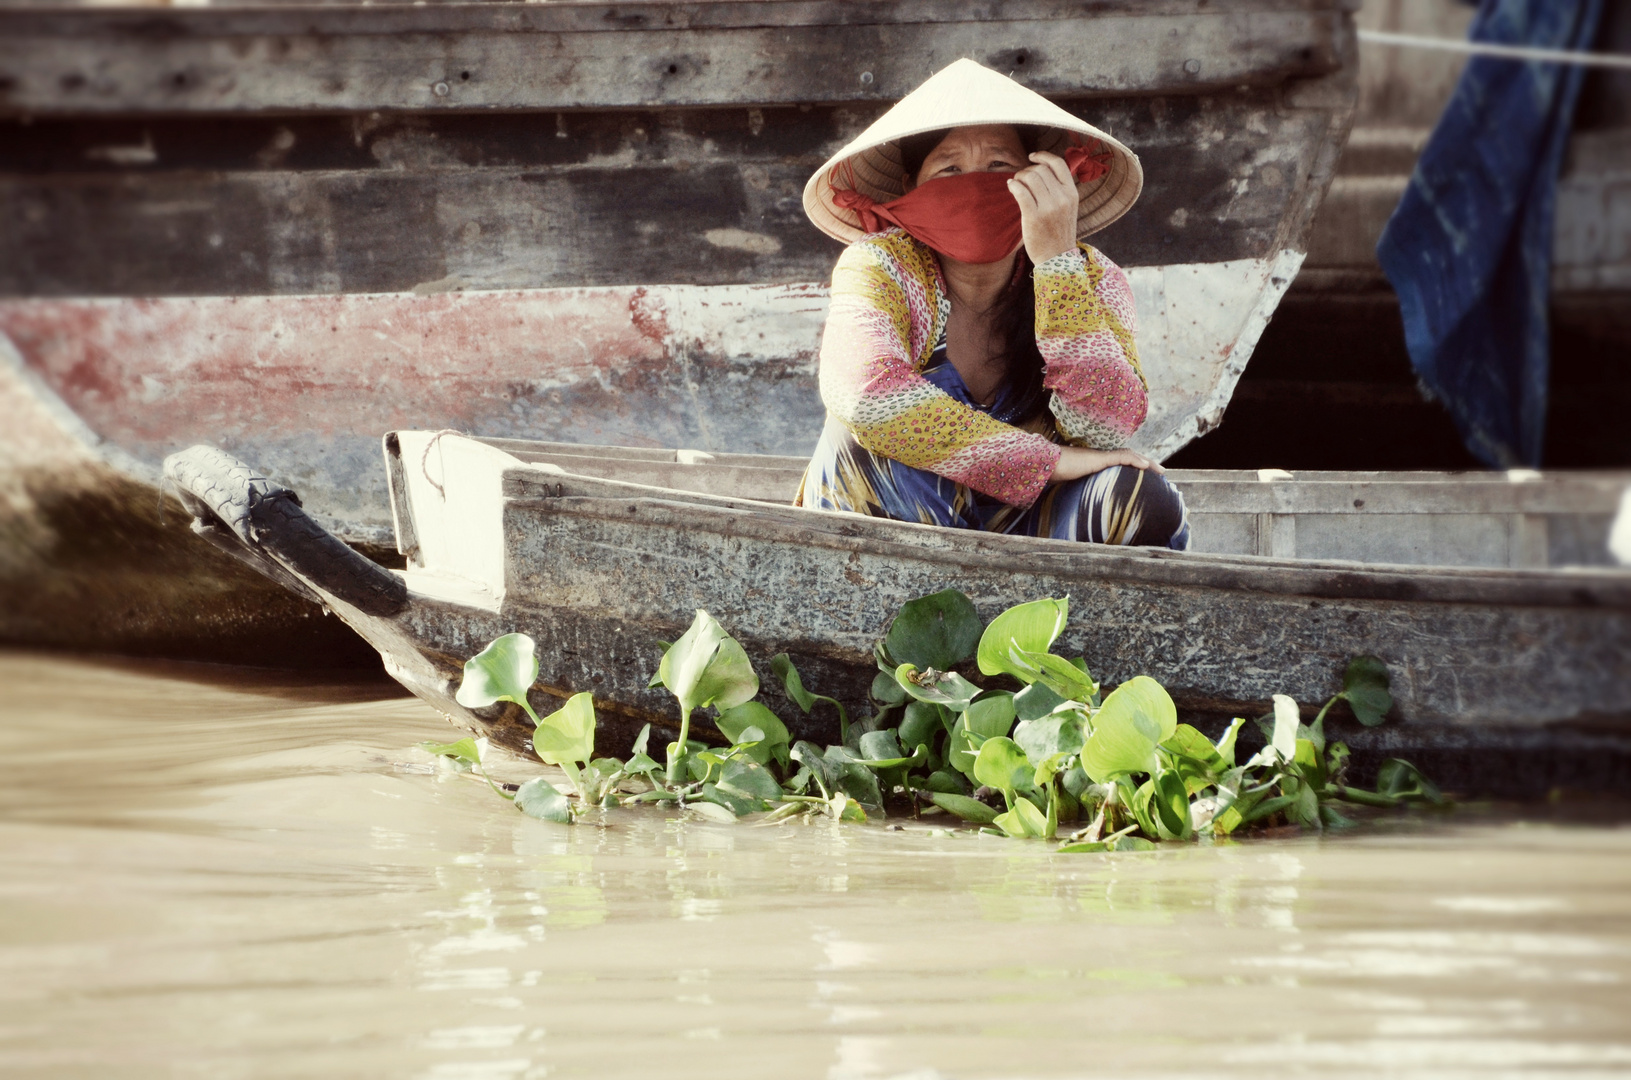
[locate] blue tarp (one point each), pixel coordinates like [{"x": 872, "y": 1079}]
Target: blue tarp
[{"x": 1469, "y": 248}]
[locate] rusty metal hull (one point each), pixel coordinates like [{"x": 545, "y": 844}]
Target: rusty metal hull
[{"x": 1492, "y": 668}]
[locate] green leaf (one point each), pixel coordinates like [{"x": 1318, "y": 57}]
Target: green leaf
[
  {"x": 1121, "y": 841},
  {"x": 688, "y": 658},
  {"x": 464, "y": 750},
  {"x": 948, "y": 782},
  {"x": 1333, "y": 818},
  {"x": 961, "y": 747},
  {"x": 729, "y": 679},
  {"x": 504, "y": 671},
  {"x": 1310, "y": 763},
  {"x": 1057, "y": 674},
  {"x": 1306, "y": 810},
  {"x": 824, "y": 771},
  {"x": 1003, "y": 765},
  {"x": 748, "y": 779},
  {"x": 713, "y": 809},
  {"x": 1136, "y": 716},
  {"x": 1047, "y": 768},
  {"x": 1226, "y": 744},
  {"x": 1365, "y": 685},
  {"x": 1266, "y": 807},
  {"x": 885, "y": 690},
  {"x": 1286, "y": 723},
  {"x": 991, "y": 715},
  {"x": 1077, "y": 781},
  {"x": 568, "y": 734},
  {"x": 1036, "y": 701},
  {"x": 1060, "y": 733},
  {"x": 1402, "y": 780},
  {"x": 853, "y": 778},
  {"x": 937, "y": 631},
  {"x": 940, "y": 687},
  {"x": 964, "y": 807},
  {"x": 774, "y": 737},
  {"x": 1132, "y": 843},
  {"x": 987, "y": 718},
  {"x": 880, "y": 746},
  {"x": 1187, "y": 742},
  {"x": 781, "y": 665},
  {"x": 1233, "y": 816},
  {"x": 922, "y": 725},
  {"x": 845, "y": 808},
  {"x": 540, "y": 799},
  {"x": 1033, "y": 627},
  {"x": 1022, "y": 821},
  {"x": 1139, "y": 804},
  {"x": 1170, "y": 800}
]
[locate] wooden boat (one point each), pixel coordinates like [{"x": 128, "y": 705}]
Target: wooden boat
[
  {"x": 282, "y": 230},
  {"x": 1489, "y": 596}
]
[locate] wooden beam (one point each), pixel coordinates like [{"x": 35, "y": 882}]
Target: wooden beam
[
  {"x": 261, "y": 206},
  {"x": 569, "y": 56}
]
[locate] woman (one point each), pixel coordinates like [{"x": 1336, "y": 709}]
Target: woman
[{"x": 978, "y": 364}]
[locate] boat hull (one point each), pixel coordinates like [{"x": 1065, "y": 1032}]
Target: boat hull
[{"x": 1509, "y": 681}]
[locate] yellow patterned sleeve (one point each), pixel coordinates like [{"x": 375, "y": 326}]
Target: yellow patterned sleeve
[{"x": 1085, "y": 327}]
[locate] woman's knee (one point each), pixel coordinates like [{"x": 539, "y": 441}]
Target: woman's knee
[
  {"x": 1132, "y": 508},
  {"x": 1165, "y": 519}
]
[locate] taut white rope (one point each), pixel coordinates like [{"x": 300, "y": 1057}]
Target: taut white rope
[{"x": 1487, "y": 48}]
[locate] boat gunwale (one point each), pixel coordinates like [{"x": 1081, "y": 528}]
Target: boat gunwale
[
  {"x": 1606, "y": 589},
  {"x": 669, "y": 456}
]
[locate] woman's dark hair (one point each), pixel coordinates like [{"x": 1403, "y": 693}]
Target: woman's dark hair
[{"x": 1015, "y": 314}]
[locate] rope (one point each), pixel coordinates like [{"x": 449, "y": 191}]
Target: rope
[
  {"x": 1508, "y": 52},
  {"x": 424, "y": 461}
]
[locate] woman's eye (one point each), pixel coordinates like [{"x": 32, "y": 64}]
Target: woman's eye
[{"x": 999, "y": 164}]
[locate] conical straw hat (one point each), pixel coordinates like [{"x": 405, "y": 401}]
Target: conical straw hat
[{"x": 961, "y": 95}]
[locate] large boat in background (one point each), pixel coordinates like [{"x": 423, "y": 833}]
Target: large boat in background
[{"x": 285, "y": 230}]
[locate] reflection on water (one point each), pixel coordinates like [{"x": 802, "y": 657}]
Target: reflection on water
[{"x": 258, "y": 877}]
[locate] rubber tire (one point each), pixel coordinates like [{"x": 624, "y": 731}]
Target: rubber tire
[{"x": 268, "y": 519}]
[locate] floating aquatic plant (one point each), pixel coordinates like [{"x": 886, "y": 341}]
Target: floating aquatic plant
[{"x": 1031, "y": 751}]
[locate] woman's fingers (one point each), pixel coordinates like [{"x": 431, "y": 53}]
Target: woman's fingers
[
  {"x": 1042, "y": 183},
  {"x": 1047, "y": 207},
  {"x": 1055, "y": 165},
  {"x": 1023, "y": 194},
  {"x": 1136, "y": 460}
]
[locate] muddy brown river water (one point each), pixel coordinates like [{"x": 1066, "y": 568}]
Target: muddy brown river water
[{"x": 230, "y": 874}]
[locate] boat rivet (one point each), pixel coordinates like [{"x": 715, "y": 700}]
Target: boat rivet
[
  {"x": 440, "y": 89},
  {"x": 1192, "y": 66},
  {"x": 866, "y": 78}
]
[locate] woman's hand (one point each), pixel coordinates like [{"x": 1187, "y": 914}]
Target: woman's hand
[
  {"x": 1046, "y": 193},
  {"x": 1076, "y": 462}
]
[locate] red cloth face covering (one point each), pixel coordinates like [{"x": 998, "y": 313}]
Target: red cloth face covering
[{"x": 971, "y": 217}]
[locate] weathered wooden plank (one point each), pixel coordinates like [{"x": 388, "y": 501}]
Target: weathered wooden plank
[
  {"x": 543, "y": 57},
  {"x": 394, "y": 205}
]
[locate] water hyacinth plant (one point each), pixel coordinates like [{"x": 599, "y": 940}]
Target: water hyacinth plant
[{"x": 1020, "y": 742}]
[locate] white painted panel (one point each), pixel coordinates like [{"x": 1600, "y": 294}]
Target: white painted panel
[{"x": 1198, "y": 325}]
